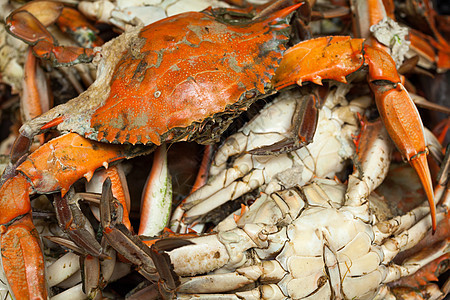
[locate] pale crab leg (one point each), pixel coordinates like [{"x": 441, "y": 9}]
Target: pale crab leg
[
  {"x": 156, "y": 199},
  {"x": 410, "y": 237},
  {"x": 372, "y": 162},
  {"x": 63, "y": 268}
]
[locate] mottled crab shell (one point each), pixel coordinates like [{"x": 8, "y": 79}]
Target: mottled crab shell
[{"x": 186, "y": 72}]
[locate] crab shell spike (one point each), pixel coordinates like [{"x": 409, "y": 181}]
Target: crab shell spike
[{"x": 88, "y": 175}]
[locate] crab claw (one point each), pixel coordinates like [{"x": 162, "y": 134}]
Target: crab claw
[
  {"x": 400, "y": 117},
  {"x": 21, "y": 252}
]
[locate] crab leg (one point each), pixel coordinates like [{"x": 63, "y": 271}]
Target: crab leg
[
  {"x": 36, "y": 97},
  {"x": 157, "y": 196},
  {"x": 340, "y": 56},
  {"x": 119, "y": 188}
]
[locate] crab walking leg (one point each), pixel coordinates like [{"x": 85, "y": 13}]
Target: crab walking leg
[
  {"x": 410, "y": 237},
  {"x": 119, "y": 189},
  {"x": 35, "y": 99},
  {"x": 157, "y": 196},
  {"x": 372, "y": 163}
]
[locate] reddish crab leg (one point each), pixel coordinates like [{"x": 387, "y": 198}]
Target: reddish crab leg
[
  {"x": 340, "y": 56},
  {"x": 119, "y": 188},
  {"x": 36, "y": 97}
]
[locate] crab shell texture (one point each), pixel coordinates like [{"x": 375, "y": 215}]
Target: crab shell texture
[{"x": 164, "y": 86}]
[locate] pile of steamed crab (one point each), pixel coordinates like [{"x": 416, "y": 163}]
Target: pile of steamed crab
[{"x": 224, "y": 150}]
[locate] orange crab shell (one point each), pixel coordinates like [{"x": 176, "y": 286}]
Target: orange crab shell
[{"x": 183, "y": 71}]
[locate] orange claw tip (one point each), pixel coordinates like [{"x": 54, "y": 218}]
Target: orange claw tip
[
  {"x": 420, "y": 165},
  {"x": 53, "y": 123}
]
